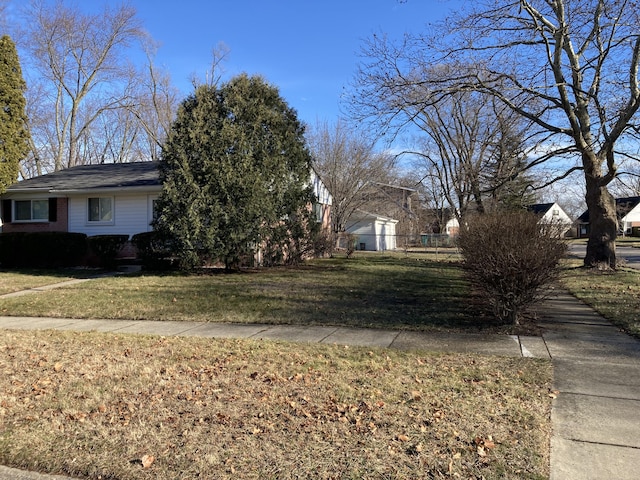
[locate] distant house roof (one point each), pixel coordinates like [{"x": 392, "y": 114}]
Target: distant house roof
[
  {"x": 397, "y": 187},
  {"x": 93, "y": 177},
  {"x": 623, "y": 206},
  {"x": 359, "y": 215},
  {"x": 540, "y": 208}
]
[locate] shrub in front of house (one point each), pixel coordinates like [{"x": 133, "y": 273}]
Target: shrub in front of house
[
  {"x": 42, "y": 249},
  {"x": 510, "y": 258},
  {"x": 106, "y": 248},
  {"x": 154, "y": 250}
]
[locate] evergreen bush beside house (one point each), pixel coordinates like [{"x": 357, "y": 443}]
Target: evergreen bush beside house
[
  {"x": 235, "y": 172},
  {"x": 106, "y": 248},
  {"x": 14, "y": 134},
  {"x": 42, "y": 249}
]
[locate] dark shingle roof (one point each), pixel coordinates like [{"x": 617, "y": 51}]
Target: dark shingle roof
[
  {"x": 623, "y": 206},
  {"x": 539, "y": 208},
  {"x": 94, "y": 177}
]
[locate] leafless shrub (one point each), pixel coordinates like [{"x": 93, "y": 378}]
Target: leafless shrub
[
  {"x": 351, "y": 244},
  {"x": 509, "y": 257}
]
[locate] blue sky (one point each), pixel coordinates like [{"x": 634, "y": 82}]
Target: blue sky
[{"x": 308, "y": 49}]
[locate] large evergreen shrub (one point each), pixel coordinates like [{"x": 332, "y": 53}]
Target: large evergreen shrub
[
  {"x": 14, "y": 134},
  {"x": 236, "y": 176}
]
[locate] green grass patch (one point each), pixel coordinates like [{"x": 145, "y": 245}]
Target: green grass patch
[
  {"x": 16, "y": 280},
  {"x": 94, "y": 405},
  {"x": 366, "y": 291},
  {"x": 614, "y": 294}
]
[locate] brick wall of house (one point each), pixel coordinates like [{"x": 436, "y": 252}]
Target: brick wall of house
[{"x": 60, "y": 225}]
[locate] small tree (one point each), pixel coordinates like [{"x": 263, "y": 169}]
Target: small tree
[
  {"x": 14, "y": 136},
  {"x": 236, "y": 175},
  {"x": 510, "y": 257},
  {"x": 348, "y": 166}
]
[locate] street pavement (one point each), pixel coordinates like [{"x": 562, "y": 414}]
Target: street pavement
[
  {"x": 628, "y": 256},
  {"x": 595, "y": 417}
]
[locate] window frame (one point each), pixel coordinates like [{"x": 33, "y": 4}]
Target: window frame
[
  {"x": 318, "y": 210},
  {"x": 31, "y": 218},
  {"x": 112, "y": 203},
  {"x": 152, "y": 208}
]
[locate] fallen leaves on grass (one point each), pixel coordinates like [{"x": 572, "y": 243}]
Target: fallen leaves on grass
[
  {"x": 147, "y": 461},
  {"x": 247, "y": 409}
]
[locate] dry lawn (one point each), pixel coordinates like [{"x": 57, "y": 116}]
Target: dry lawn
[
  {"x": 614, "y": 294},
  {"x": 14, "y": 281},
  {"x": 369, "y": 291},
  {"x": 136, "y": 407}
]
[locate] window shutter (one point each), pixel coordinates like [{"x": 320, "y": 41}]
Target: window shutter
[
  {"x": 6, "y": 211},
  {"x": 53, "y": 209}
]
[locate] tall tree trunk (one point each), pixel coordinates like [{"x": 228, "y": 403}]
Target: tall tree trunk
[{"x": 603, "y": 223}]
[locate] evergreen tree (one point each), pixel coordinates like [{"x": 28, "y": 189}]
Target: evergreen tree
[
  {"x": 14, "y": 136},
  {"x": 509, "y": 184},
  {"x": 235, "y": 172}
]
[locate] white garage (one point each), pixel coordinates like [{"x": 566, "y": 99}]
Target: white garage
[{"x": 373, "y": 232}]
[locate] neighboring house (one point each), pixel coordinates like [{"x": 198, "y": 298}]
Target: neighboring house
[
  {"x": 322, "y": 207},
  {"x": 115, "y": 198},
  {"x": 628, "y": 212},
  {"x": 452, "y": 227},
  {"x": 399, "y": 203},
  {"x": 372, "y": 232},
  {"x": 105, "y": 199},
  {"x": 552, "y": 213},
  {"x": 548, "y": 212}
]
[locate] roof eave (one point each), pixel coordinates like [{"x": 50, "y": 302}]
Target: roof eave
[
  {"x": 137, "y": 188},
  {"x": 80, "y": 191}
]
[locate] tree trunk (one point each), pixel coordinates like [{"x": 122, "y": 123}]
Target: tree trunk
[{"x": 603, "y": 223}]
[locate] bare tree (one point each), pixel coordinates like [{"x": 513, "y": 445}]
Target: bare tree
[
  {"x": 3, "y": 17},
  {"x": 84, "y": 74},
  {"x": 435, "y": 210},
  {"x": 627, "y": 183},
  {"x": 347, "y": 163},
  {"x": 213, "y": 75},
  {"x": 155, "y": 104},
  {"x": 568, "y": 66},
  {"x": 472, "y": 146}
]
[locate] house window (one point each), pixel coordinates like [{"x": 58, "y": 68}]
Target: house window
[
  {"x": 101, "y": 209},
  {"x": 317, "y": 208},
  {"x": 31, "y": 210},
  {"x": 155, "y": 212}
]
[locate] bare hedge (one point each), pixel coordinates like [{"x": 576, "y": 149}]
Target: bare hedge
[{"x": 510, "y": 257}]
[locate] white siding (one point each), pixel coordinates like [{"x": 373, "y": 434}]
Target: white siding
[
  {"x": 374, "y": 233},
  {"x": 321, "y": 191},
  {"x": 631, "y": 219},
  {"x": 364, "y": 231},
  {"x": 385, "y": 235},
  {"x": 132, "y": 214},
  {"x": 557, "y": 216}
]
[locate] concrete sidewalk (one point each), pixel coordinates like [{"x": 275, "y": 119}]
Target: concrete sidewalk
[
  {"x": 509, "y": 345},
  {"x": 595, "y": 418}
]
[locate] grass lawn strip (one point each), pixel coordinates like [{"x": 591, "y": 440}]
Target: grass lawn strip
[
  {"x": 138, "y": 407},
  {"x": 380, "y": 291},
  {"x": 14, "y": 281},
  {"x": 615, "y": 295}
]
